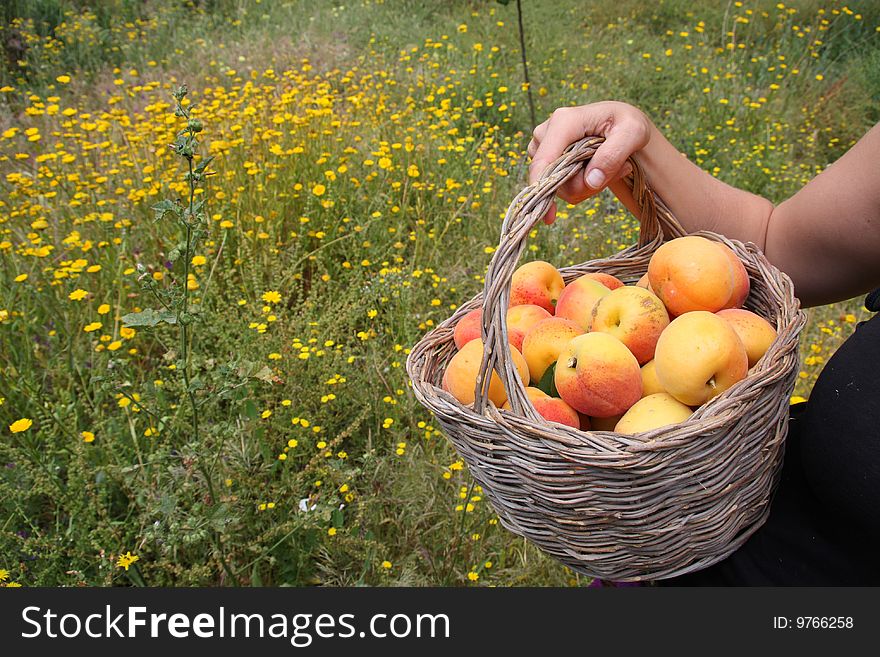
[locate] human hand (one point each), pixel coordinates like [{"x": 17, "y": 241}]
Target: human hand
[{"x": 626, "y": 130}]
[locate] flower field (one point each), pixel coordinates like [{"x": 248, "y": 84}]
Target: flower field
[{"x": 214, "y": 393}]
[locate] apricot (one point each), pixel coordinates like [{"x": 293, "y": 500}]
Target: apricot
[
  {"x": 698, "y": 357},
  {"x": 652, "y": 412},
  {"x": 460, "y": 377},
  {"x": 538, "y": 283},
  {"x": 543, "y": 343},
  {"x": 650, "y": 382},
  {"x": 691, "y": 273},
  {"x": 468, "y": 328},
  {"x": 521, "y": 319},
  {"x": 550, "y": 408},
  {"x": 756, "y": 333},
  {"x": 634, "y": 316},
  {"x": 577, "y": 300},
  {"x": 597, "y": 375},
  {"x": 609, "y": 281}
]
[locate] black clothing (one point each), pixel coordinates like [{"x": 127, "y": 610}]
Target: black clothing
[{"x": 824, "y": 522}]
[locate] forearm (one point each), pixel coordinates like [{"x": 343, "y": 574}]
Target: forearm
[
  {"x": 826, "y": 237},
  {"x": 697, "y": 199}
]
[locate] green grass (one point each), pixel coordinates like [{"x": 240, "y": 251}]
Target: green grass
[{"x": 363, "y": 267}]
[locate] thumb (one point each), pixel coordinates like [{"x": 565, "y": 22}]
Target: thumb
[{"x": 608, "y": 162}]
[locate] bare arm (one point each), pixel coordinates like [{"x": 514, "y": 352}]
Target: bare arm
[{"x": 826, "y": 237}]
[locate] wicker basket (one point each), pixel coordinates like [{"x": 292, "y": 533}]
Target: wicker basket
[{"x": 627, "y": 508}]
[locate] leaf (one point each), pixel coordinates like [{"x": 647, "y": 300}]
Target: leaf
[
  {"x": 204, "y": 164},
  {"x": 548, "y": 382},
  {"x": 264, "y": 374},
  {"x": 177, "y": 251},
  {"x": 196, "y": 385},
  {"x": 250, "y": 370},
  {"x": 503, "y": 2},
  {"x": 198, "y": 206},
  {"x": 246, "y": 368},
  {"x": 250, "y": 409},
  {"x": 256, "y": 580},
  {"x": 182, "y": 145},
  {"x": 149, "y": 318},
  {"x": 166, "y": 207}
]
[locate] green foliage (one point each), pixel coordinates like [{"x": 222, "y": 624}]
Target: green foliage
[
  {"x": 547, "y": 384},
  {"x": 149, "y": 318}
]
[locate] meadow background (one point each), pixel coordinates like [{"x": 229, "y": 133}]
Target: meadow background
[{"x": 365, "y": 153}]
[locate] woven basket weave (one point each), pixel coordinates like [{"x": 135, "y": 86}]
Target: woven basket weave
[{"x": 627, "y": 508}]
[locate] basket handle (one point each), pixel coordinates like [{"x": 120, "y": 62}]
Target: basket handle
[{"x": 526, "y": 210}]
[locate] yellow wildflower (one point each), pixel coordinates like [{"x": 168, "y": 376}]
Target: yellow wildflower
[
  {"x": 126, "y": 560},
  {"x": 21, "y": 425}
]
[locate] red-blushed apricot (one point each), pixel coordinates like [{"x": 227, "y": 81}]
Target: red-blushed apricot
[
  {"x": 597, "y": 375},
  {"x": 468, "y": 328},
  {"x": 543, "y": 343},
  {"x": 691, "y": 273},
  {"x": 609, "y": 281},
  {"x": 577, "y": 300},
  {"x": 521, "y": 319},
  {"x": 550, "y": 408},
  {"x": 634, "y": 316},
  {"x": 538, "y": 283}
]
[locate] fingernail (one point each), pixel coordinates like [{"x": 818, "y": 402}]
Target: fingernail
[{"x": 595, "y": 178}]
